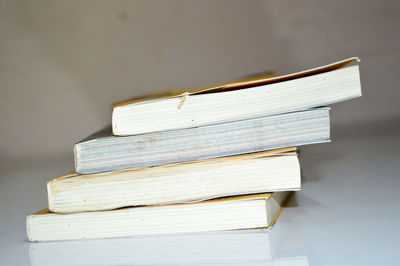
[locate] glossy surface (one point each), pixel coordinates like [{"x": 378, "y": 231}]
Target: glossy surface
[{"x": 346, "y": 214}]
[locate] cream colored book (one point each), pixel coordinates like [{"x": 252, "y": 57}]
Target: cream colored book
[
  {"x": 269, "y": 171},
  {"x": 238, "y": 100},
  {"x": 231, "y": 213},
  {"x": 283, "y": 242}
]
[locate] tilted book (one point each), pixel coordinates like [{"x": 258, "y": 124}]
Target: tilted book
[
  {"x": 231, "y": 213},
  {"x": 104, "y": 152},
  {"x": 270, "y": 171},
  {"x": 239, "y": 100}
]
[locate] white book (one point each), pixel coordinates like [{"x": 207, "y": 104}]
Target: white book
[
  {"x": 232, "y": 213},
  {"x": 237, "y": 101},
  {"x": 269, "y": 171},
  {"x": 242, "y": 247},
  {"x": 104, "y": 152}
]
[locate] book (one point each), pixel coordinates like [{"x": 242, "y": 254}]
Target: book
[
  {"x": 238, "y": 101},
  {"x": 241, "y": 247},
  {"x": 270, "y": 171},
  {"x": 104, "y": 152},
  {"x": 230, "y": 213}
]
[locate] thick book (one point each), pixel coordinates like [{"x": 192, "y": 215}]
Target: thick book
[
  {"x": 231, "y": 213},
  {"x": 282, "y": 243},
  {"x": 270, "y": 171},
  {"x": 239, "y": 100},
  {"x": 104, "y": 152}
]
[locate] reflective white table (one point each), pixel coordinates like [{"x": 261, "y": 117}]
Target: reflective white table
[{"x": 346, "y": 214}]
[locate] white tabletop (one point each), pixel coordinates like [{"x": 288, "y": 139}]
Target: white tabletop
[{"x": 346, "y": 214}]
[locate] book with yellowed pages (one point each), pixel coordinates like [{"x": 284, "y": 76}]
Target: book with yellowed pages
[
  {"x": 238, "y": 100},
  {"x": 231, "y": 213},
  {"x": 269, "y": 171}
]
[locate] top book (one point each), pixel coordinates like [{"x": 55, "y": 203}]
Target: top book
[{"x": 238, "y": 100}]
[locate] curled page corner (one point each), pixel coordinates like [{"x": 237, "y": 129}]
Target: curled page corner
[{"x": 183, "y": 97}]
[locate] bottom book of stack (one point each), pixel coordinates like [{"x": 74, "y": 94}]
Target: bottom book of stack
[
  {"x": 228, "y": 213},
  {"x": 284, "y": 245}
]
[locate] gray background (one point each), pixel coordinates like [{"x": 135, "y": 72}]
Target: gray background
[{"x": 62, "y": 64}]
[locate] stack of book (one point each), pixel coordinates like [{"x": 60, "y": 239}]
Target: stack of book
[{"x": 218, "y": 158}]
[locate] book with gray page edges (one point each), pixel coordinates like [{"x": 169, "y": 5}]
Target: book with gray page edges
[
  {"x": 231, "y": 213},
  {"x": 104, "y": 152},
  {"x": 268, "y": 171},
  {"x": 238, "y": 100}
]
